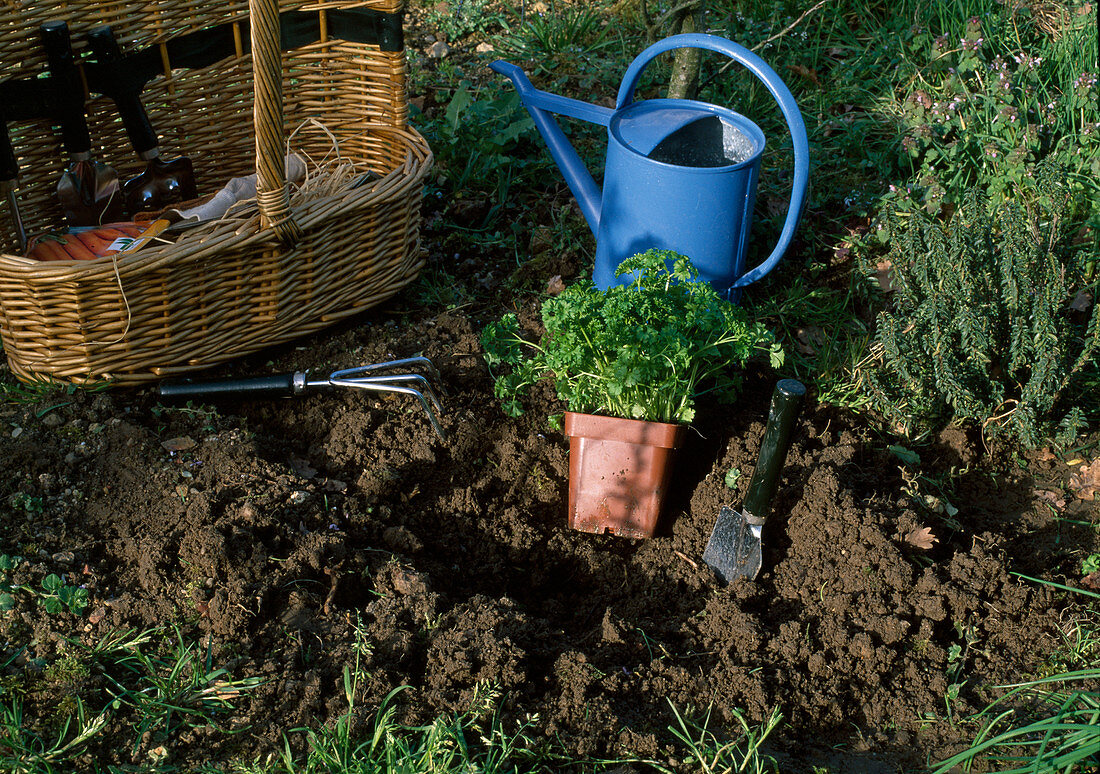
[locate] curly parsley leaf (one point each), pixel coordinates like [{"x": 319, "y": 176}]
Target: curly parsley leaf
[{"x": 644, "y": 350}]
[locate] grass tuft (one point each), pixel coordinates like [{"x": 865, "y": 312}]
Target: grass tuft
[
  {"x": 710, "y": 752},
  {"x": 1056, "y": 731}
]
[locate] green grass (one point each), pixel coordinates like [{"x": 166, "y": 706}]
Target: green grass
[
  {"x": 481, "y": 740},
  {"x": 716, "y": 752},
  {"x": 825, "y": 343},
  {"x": 572, "y": 38},
  {"x": 1054, "y": 727},
  {"x": 129, "y": 688},
  {"x": 38, "y": 389},
  {"x": 23, "y": 751},
  {"x": 1047, "y": 724},
  {"x": 476, "y": 740}
]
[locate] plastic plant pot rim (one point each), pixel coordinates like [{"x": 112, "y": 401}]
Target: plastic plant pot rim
[{"x": 638, "y": 431}]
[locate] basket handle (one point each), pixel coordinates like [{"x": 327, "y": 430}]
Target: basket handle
[{"x": 272, "y": 193}]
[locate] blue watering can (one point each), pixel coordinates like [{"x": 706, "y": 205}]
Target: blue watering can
[{"x": 680, "y": 174}]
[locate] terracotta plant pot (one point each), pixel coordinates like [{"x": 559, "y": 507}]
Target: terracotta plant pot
[{"x": 619, "y": 470}]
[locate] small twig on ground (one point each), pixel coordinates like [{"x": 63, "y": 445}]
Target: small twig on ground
[
  {"x": 686, "y": 559},
  {"x": 790, "y": 26},
  {"x": 326, "y": 608},
  {"x": 820, "y": 4}
]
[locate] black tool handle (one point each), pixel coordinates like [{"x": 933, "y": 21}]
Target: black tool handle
[
  {"x": 786, "y": 400},
  {"x": 9, "y": 176},
  {"x": 128, "y": 100},
  {"x": 70, "y": 110},
  {"x": 277, "y": 386},
  {"x": 9, "y": 165}
]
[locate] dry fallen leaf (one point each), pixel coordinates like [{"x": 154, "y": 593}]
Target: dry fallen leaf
[
  {"x": 1092, "y": 581},
  {"x": 1055, "y": 499},
  {"x": 1086, "y": 482},
  {"x": 882, "y": 274},
  {"x": 775, "y": 206},
  {"x": 809, "y": 339},
  {"x": 302, "y": 467},
  {"x": 805, "y": 72},
  {"x": 183, "y": 443},
  {"x": 409, "y": 583},
  {"x": 1082, "y": 301},
  {"x": 921, "y": 538}
]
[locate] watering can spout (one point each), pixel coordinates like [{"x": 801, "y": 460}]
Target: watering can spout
[{"x": 540, "y": 104}]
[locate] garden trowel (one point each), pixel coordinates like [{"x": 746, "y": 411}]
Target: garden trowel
[
  {"x": 88, "y": 190},
  {"x": 9, "y": 179},
  {"x": 162, "y": 182},
  {"x": 734, "y": 546}
]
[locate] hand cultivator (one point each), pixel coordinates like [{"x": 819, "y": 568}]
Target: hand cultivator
[{"x": 399, "y": 376}]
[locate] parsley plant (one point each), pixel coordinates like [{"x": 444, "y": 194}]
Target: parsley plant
[{"x": 643, "y": 350}]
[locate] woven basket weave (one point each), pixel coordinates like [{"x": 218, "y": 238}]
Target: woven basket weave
[{"x": 223, "y": 290}]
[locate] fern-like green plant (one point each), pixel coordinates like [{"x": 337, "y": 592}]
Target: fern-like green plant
[{"x": 980, "y": 324}]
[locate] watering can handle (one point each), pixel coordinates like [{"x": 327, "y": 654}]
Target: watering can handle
[{"x": 787, "y": 105}]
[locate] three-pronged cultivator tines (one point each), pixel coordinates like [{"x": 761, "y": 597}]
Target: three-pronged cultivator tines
[{"x": 409, "y": 376}]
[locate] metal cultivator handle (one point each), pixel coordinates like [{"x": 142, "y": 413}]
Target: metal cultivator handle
[{"x": 407, "y": 382}]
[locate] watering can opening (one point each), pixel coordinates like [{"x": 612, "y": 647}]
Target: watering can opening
[
  {"x": 683, "y": 133},
  {"x": 708, "y": 142}
]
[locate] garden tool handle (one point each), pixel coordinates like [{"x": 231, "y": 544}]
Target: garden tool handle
[
  {"x": 9, "y": 176},
  {"x": 9, "y": 166},
  {"x": 70, "y": 108},
  {"x": 278, "y": 385},
  {"x": 127, "y": 98},
  {"x": 786, "y": 400},
  {"x": 787, "y": 105}
]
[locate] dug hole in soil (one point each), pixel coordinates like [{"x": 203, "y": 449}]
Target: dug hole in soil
[{"x": 286, "y": 532}]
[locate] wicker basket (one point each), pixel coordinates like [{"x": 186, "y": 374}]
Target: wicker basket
[{"x": 224, "y": 290}]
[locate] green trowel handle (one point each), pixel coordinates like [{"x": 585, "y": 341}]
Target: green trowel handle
[{"x": 786, "y": 401}]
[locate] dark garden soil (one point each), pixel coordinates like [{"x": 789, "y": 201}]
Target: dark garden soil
[
  {"x": 293, "y": 537},
  {"x": 284, "y": 532}
]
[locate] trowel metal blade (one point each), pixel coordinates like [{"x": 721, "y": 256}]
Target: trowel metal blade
[
  {"x": 89, "y": 194},
  {"x": 734, "y": 546}
]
